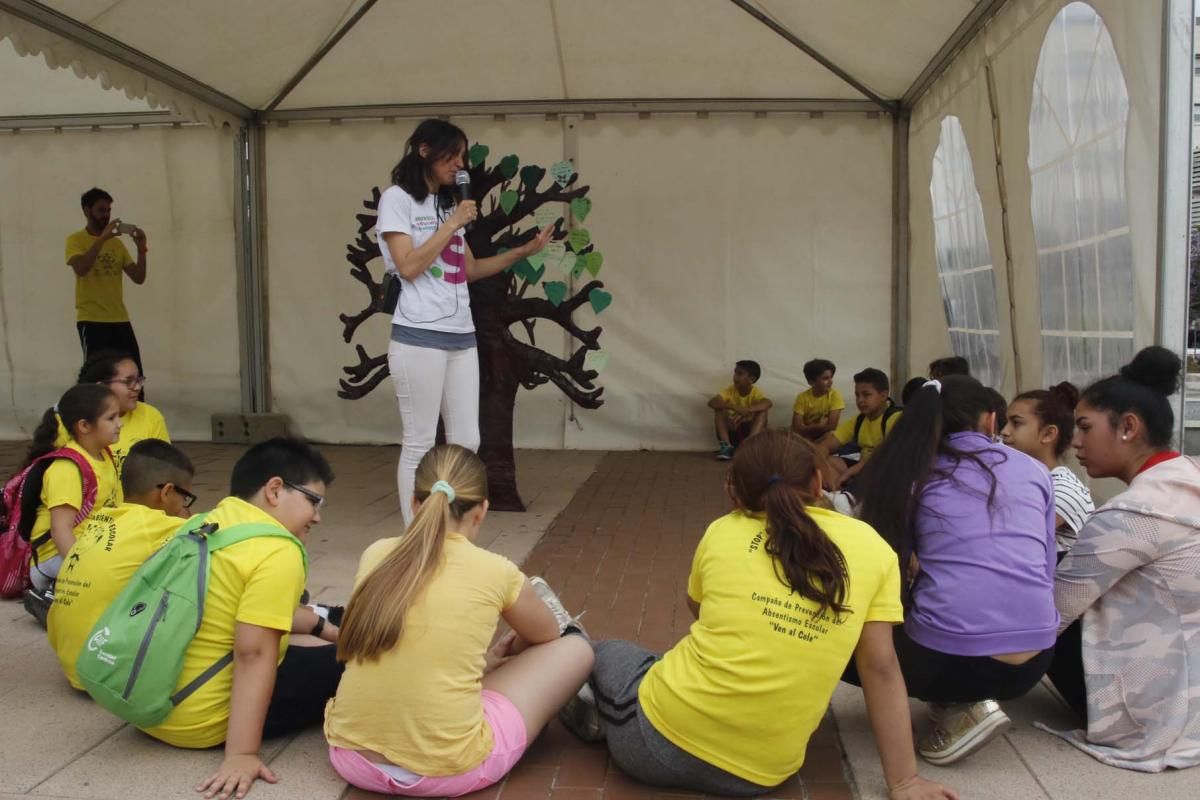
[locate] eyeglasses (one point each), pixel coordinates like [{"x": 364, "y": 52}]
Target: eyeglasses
[
  {"x": 317, "y": 500},
  {"x": 188, "y": 498},
  {"x": 132, "y": 382}
]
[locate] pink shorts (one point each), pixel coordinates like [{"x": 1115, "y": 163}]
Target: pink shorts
[{"x": 508, "y": 745}]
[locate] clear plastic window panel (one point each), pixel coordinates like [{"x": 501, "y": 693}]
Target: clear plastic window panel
[
  {"x": 964, "y": 262},
  {"x": 1080, "y": 215}
]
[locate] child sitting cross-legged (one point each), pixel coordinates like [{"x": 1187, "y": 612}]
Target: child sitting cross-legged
[
  {"x": 816, "y": 411},
  {"x": 740, "y": 409},
  {"x": 864, "y": 431}
]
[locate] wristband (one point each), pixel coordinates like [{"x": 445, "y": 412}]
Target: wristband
[{"x": 320, "y": 626}]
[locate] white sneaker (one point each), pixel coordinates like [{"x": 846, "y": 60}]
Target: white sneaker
[
  {"x": 960, "y": 729},
  {"x": 581, "y": 716},
  {"x": 561, "y": 615}
]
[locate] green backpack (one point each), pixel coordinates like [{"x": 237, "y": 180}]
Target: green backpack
[{"x": 131, "y": 662}]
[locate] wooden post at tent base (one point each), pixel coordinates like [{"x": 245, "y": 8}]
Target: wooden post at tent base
[{"x": 506, "y": 363}]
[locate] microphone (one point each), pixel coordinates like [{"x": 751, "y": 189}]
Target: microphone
[{"x": 462, "y": 184}]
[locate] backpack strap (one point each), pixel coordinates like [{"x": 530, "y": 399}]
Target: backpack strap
[
  {"x": 888, "y": 413},
  {"x": 21, "y": 504},
  {"x": 858, "y": 423}
]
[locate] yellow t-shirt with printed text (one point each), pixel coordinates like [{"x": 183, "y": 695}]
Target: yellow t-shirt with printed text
[
  {"x": 870, "y": 435},
  {"x": 731, "y": 395},
  {"x": 114, "y": 543},
  {"x": 814, "y": 410},
  {"x": 420, "y": 704},
  {"x": 99, "y": 295},
  {"x": 258, "y": 582},
  {"x": 63, "y": 486},
  {"x": 748, "y": 685},
  {"x": 144, "y": 422}
]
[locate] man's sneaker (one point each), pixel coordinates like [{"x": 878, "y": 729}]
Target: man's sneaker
[
  {"x": 725, "y": 453},
  {"x": 561, "y": 615},
  {"x": 582, "y": 717},
  {"x": 960, "y": 730},
  {"x": 38, "y": 604}
]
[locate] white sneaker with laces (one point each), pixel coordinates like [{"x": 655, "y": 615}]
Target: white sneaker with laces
[{"x": 960, "y": 729}]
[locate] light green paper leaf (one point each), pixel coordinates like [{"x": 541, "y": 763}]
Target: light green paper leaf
[
  {"x": 580, "y": 208},
  {"x": 562, "y": 172},
  {"x": 536, "y": 259},
  {"x": 596, "y": 360},
  {"x": 553, "y": 252},
  {"x": 579, "y": 239},
  {"x": 593, "y": 261},
  {"x": 546, "y": 214}
]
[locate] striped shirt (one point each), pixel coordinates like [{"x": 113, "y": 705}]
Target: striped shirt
[{"x": 1072, "y": 502}]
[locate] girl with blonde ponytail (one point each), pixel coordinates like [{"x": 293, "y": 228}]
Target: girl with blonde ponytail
[{"x": 426, "y": 708}]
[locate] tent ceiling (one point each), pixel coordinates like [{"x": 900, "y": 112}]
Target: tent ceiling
[
  {"x": 454, "y": 51},
  {"x": 29, "y": 89}
]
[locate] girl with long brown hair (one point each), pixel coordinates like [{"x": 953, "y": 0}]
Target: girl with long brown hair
[
  {"x": 425, "y": 707},
  {"x": 784, "y": 592}
]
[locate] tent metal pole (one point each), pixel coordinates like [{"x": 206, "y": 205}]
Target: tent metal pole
[
  {"x": 75, "y": 31},
  {"x": 885, "y": 105},
  {"x": 967, "y": 30},
  {"x": 114, "y": 120},
  {"x": 253, "y": 318},
  {"x": 513, "y": 108},
  {"x": 320, "y": 54},
  {"x": 900, "y": 250},
  {"x": 1174, "y": 192}
]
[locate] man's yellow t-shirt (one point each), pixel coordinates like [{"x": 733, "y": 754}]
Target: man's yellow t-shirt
[
  {"x": 745, "y": 689},
  {"x": 870, "y": 435},
  {"x": 731, "y": 395},
  {"x": 258, "y": 582},
  {"x": 63, "y": 486},
  {"x": 420, "y": 704},
  {"x": 114, "y": 543},
  {"x": 99, "y": 295},
  {"x": 144, "y": 422},
  {"x": 814, "y": 410}
]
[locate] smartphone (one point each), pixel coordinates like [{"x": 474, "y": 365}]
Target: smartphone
[{"x": 125, "y": 228}]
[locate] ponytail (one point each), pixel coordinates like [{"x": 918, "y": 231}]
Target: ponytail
[
  {"x": 375, "y": 616},
  {"x": 772, "y": 472},
  {"x": 82, "y": 402}
]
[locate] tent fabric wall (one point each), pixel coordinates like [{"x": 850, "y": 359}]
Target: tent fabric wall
[
  {"x": 1010, "y": 45},
  {"x": 175, "y": 183},
  {"x": 724, "y": 238}
]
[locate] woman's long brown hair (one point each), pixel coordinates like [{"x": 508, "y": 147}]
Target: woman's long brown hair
[
  {"x": 375, "y": 616},
  {"x": 773, "y": 472}
]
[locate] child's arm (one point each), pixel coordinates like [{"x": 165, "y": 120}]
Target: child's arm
[
  {"x": 255, "y": 658},
  {"x": 62, "y": 528},
  {"x": 887, "y": 709},
  {"x": 304, "y": 621},
  {"x": 531, "y": 618},
  {"x": 717, "y": 403},
  {"x": 849, "y": 474},
  {"x": 761, "y": 405}
]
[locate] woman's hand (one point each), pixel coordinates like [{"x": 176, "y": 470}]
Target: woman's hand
[
  {"x": 536, "y": 244},
  {"x": 236, "y": 775},
  {"x": 917, "y": 788},
  {"x": 498, "y": 653},
  {"x": 464, "y": 214}
]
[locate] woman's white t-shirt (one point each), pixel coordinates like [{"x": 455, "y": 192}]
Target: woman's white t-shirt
[
  {"x": 437, "y": 299},
  {"x": 1072, "y": 502}
]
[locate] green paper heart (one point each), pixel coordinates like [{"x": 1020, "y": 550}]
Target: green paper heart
[
  {"x": 508, "y": 166},
  {"x": 546, "y": 215},
  {"x": 536, "y": 259},
  {"x": 599, "y": 299},
  {"x": 556, "y": 292},
  {"x": 596, "y": 360},
  {"x": 521, "y": 269},
  {"x": 580, "y": 208},
  {"x": 535, "y": 275},
  {"x": 532, "y": 175},
  {"x": 477, "y": 154},
  {"x": 508, "y": 200},
  {"x": 579, "y": 266},
  {"x": 593, "y": 261},
  {"x": 579, "y": 239},
  {"x": 562, "y": 172},
  {"x": 553, "y": 253}
]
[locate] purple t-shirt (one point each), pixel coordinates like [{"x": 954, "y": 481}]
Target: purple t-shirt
[{"x": 986, "y": 585}]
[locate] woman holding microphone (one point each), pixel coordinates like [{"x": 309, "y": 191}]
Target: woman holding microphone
[{"x": 432, "y": 355}]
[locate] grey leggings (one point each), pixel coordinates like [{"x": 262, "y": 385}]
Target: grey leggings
[{"x": 640, "y": 751}]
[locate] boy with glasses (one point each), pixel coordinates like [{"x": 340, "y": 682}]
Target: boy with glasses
[{"x": 157, "y": 482}]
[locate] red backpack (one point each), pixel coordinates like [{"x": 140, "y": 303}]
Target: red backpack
[{"x": 18, "y": 511}]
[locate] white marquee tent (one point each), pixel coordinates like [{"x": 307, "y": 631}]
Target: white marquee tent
[{"x": 872, "y": 181}]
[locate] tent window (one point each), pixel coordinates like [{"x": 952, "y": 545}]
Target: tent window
[
  {"x": 963, "y": 259},
  {"x": 1080, "y": 215}
]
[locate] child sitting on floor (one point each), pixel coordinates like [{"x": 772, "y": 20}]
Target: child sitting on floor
[
  {"x": 865, "y": 430},
  {"x": 740, "y": 409},
  {"x": 817, "y": 410}
]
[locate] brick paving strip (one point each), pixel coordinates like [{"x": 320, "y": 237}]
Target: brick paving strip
[{"x": 621, "y": 551}]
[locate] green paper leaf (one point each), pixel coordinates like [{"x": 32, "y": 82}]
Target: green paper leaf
[
  {"x": 580, "y": 208},
  {"x": 599, "y": 299},
  {"x": 556, "y": 292},
  {"x": 593, "y": 261},
  {"x": 546, "y": 215},
  {"x": 508, "y": 200},
  {"x": 532, "y": 175},
  {"x": 521, "y": 269},
  {"x": 535, "y": 275},
  {"x": 562, "y": 172},
  {"x": 553, "y": 253},
  {"x": 579, "y": 266},
  {"x": 508, "y": 166},
  {"x": 477, "y": 154},
  {"x": 536, "y": 259},
  {"x": 596, "y": 360},
  {"x": 579, "y": 239}
]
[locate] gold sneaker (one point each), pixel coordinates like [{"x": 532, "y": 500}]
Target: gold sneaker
[{"x": 960, "y": 729}]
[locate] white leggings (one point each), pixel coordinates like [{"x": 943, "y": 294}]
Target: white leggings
[{"x": 427, "y": 382}]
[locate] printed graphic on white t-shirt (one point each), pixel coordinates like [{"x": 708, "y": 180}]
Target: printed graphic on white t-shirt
[{"x": 437, "y": 299}]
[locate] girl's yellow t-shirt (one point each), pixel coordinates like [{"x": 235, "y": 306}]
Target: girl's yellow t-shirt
[
  {"x": 144, "y": 422},
  {"x": 63, "y": 486}
]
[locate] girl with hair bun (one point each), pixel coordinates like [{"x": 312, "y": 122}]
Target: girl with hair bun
[
  {"x": 1129, "y": 591},
  {"x": 1041, "y": 424}
]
